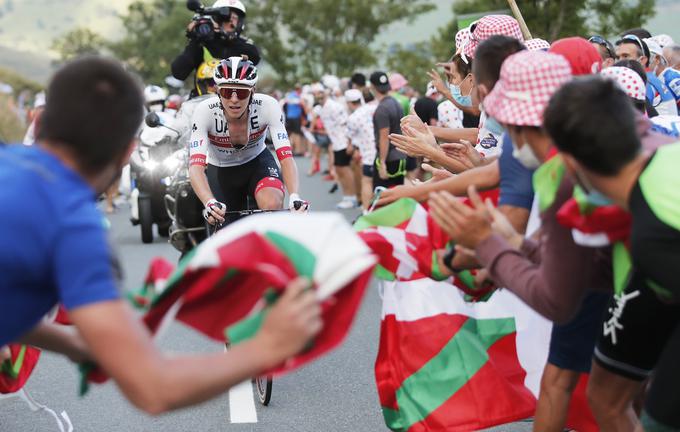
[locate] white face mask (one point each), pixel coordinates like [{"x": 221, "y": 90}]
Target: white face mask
[{"x": 525, "y": 156}]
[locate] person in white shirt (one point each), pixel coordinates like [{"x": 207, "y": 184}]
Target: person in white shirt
[
  {"x": 362, "y": 137},
  {"x": 334, "y": 117}
]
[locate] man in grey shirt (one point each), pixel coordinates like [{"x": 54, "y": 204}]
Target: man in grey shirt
[{"x": 390, "y": 162}]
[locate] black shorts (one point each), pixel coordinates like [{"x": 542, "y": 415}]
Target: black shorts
[
  {"x": 392, "y": 168},
  {"x": 322, "y": 140},
  {"x": 411, "y": 163},
  {"x": 236, "y": 186},
  {"x": 663, "y": 398},
  {"x": 367, "y": 170},
  {"x": 635, "y": 331},
  {"x": 294, "y": 125},
  {"x": 341, "y": 158},
  {"x": 572, "y": 344}
]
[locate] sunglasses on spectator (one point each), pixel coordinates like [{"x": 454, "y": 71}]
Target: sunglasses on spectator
[
  {"x": 636, "y": 40},
  {"x": 241, "y": 93},
  {"x": 604, "y": 43}
]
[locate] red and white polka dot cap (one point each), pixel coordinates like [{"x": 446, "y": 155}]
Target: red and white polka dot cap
[
  {"x": 628, "y": 80},
  {"x": 537, "y": 44},
  {"x": 491, "y": 25},
  {"x": 528, "y": 79},
  {"x": 462, "y": 38}
]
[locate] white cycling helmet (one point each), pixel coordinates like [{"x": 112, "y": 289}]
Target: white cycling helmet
[
  {"x": 235, "y": 71},
  {"x": 331, "y": 82},
  {"x": 154, "y": 94},
  {"x": 234, "y": 4}
]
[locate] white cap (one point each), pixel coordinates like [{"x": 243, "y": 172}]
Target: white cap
[
  {"x": 353, "y": 95},
  {"x": 431, "y": 89},
  {"x": 317, "y": 87},
  {"x": 39, "y": 100},
  {"x": 664, "y": 40},
  {"x": 654, "y": 46}
]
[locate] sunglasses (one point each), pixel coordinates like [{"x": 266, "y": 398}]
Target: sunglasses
[
  {"x": 636, "y": 40},
  {"x": 228, "y": 92},
  {"x": 604, "y": 43}
]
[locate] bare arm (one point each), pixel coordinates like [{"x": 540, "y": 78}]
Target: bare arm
[
  {"x": 158, "y": 383},
  {"x": 454, "y": 135},
  {"x": 199, "y": 182},
  {"x": 290, "y": 175},
  {"x": 57, "y": 338},
  {"x": 384, "y": 144},
  {"x": 484, "y": 177}
]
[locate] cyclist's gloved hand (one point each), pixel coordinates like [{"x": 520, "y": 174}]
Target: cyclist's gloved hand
[
  {"x": 297, "y": 204},
  {"x": 214, "y": 212}
]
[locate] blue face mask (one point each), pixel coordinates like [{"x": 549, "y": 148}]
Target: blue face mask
[
  {"x": 593, "y": 196},
  {"x": 493, "y": 126},
  {"x": 596, "y": 198},
  {"x": 458, "y": 97}
]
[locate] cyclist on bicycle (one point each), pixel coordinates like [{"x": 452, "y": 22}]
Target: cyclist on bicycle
[{"x": 229, "y": 160}]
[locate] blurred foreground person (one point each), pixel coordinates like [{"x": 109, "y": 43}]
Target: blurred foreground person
[{"x": 67, "y": 260}]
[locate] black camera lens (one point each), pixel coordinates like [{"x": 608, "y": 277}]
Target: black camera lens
[{"x": 204, "y": 30}]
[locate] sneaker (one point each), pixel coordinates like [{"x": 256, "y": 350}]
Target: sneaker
[
  {"x": 346, "y": 204},
  {"x": 328, "y": 177},
  {"x": 333, "y": 188}
]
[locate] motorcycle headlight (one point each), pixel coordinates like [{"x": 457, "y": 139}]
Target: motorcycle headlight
[
  {"x": 150, "y": 164},
  {"x": 171, "y": 162}
]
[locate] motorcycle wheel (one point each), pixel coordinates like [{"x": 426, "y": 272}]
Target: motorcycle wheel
[
  {"x": 146, "y": 220},
  {"x": 164, "y": 231}
]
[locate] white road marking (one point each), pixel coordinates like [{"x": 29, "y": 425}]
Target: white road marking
[{"x": 242, "y": 403}]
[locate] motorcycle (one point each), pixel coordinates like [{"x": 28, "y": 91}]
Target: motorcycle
[
  {"x": 152, "y": 165},
  {"x": 185, "y": 210}
]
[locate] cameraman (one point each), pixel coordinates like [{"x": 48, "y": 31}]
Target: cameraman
[{"x": 227, "y": 18}]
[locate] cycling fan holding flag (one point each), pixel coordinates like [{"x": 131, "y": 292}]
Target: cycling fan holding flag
[{"x": 229, "y": 161}]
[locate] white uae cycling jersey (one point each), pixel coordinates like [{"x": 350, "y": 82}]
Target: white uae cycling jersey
[{"x": 210, "y": 143}]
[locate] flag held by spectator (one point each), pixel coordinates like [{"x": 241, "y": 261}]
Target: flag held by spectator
[{"x": 228, "y": 283}]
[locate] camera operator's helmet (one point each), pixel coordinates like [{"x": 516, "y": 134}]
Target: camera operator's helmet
[
  {"x": 233, "y": 4},
  {"x": 235, "y": 71},
  {"x": 154, "y": 97},
  {"x": 204, "y": 76},
  {"x": 226, "y": 7}
]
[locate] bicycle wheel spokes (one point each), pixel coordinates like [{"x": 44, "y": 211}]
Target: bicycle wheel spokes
[{"x": 263, "y": 385}]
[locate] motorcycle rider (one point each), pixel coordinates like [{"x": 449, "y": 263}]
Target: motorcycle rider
[
  {"x": 229, "y": 160},
  {"x": 226, "y": 41},
  {"x": 154, "y": 98}
]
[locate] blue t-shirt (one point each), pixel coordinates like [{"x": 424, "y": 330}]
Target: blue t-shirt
[
  {"x": 671, "y": 77},
  {"x": 517, "y": 189},
  {"x": 659, "y": 96},
  {"x": 54, "y": 246},
  {"x": 293, "y": 105}
]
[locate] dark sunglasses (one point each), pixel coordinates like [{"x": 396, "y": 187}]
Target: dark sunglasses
[
  {"x": 241, "y": 93},
  {"x": 604, "y": 43},
  {"x": 636, "y": 40}
]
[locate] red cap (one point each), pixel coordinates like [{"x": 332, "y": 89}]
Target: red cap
[{"x": 581, "y": 55}]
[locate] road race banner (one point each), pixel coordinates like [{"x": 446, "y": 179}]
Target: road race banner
[
  {"x": 444, "y": 362},
  {"x": 227, "y": 285}
]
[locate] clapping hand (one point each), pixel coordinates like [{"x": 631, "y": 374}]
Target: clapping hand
[{"x": 467, "y": 226}]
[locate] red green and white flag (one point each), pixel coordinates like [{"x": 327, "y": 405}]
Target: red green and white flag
[
  {"x": 17, "y": 368},
  {"x": 407, "y": 239},
  {"x": 446, "y": 363},
  {"x": 227, "y": 285}
]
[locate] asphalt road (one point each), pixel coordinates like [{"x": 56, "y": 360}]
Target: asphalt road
[{"x": 337, "y": 393}]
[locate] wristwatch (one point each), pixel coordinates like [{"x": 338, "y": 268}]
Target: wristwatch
[{"x": 448, "y": 259}]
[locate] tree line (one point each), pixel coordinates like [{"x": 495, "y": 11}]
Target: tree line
[{"x": 301, "y": 39}]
